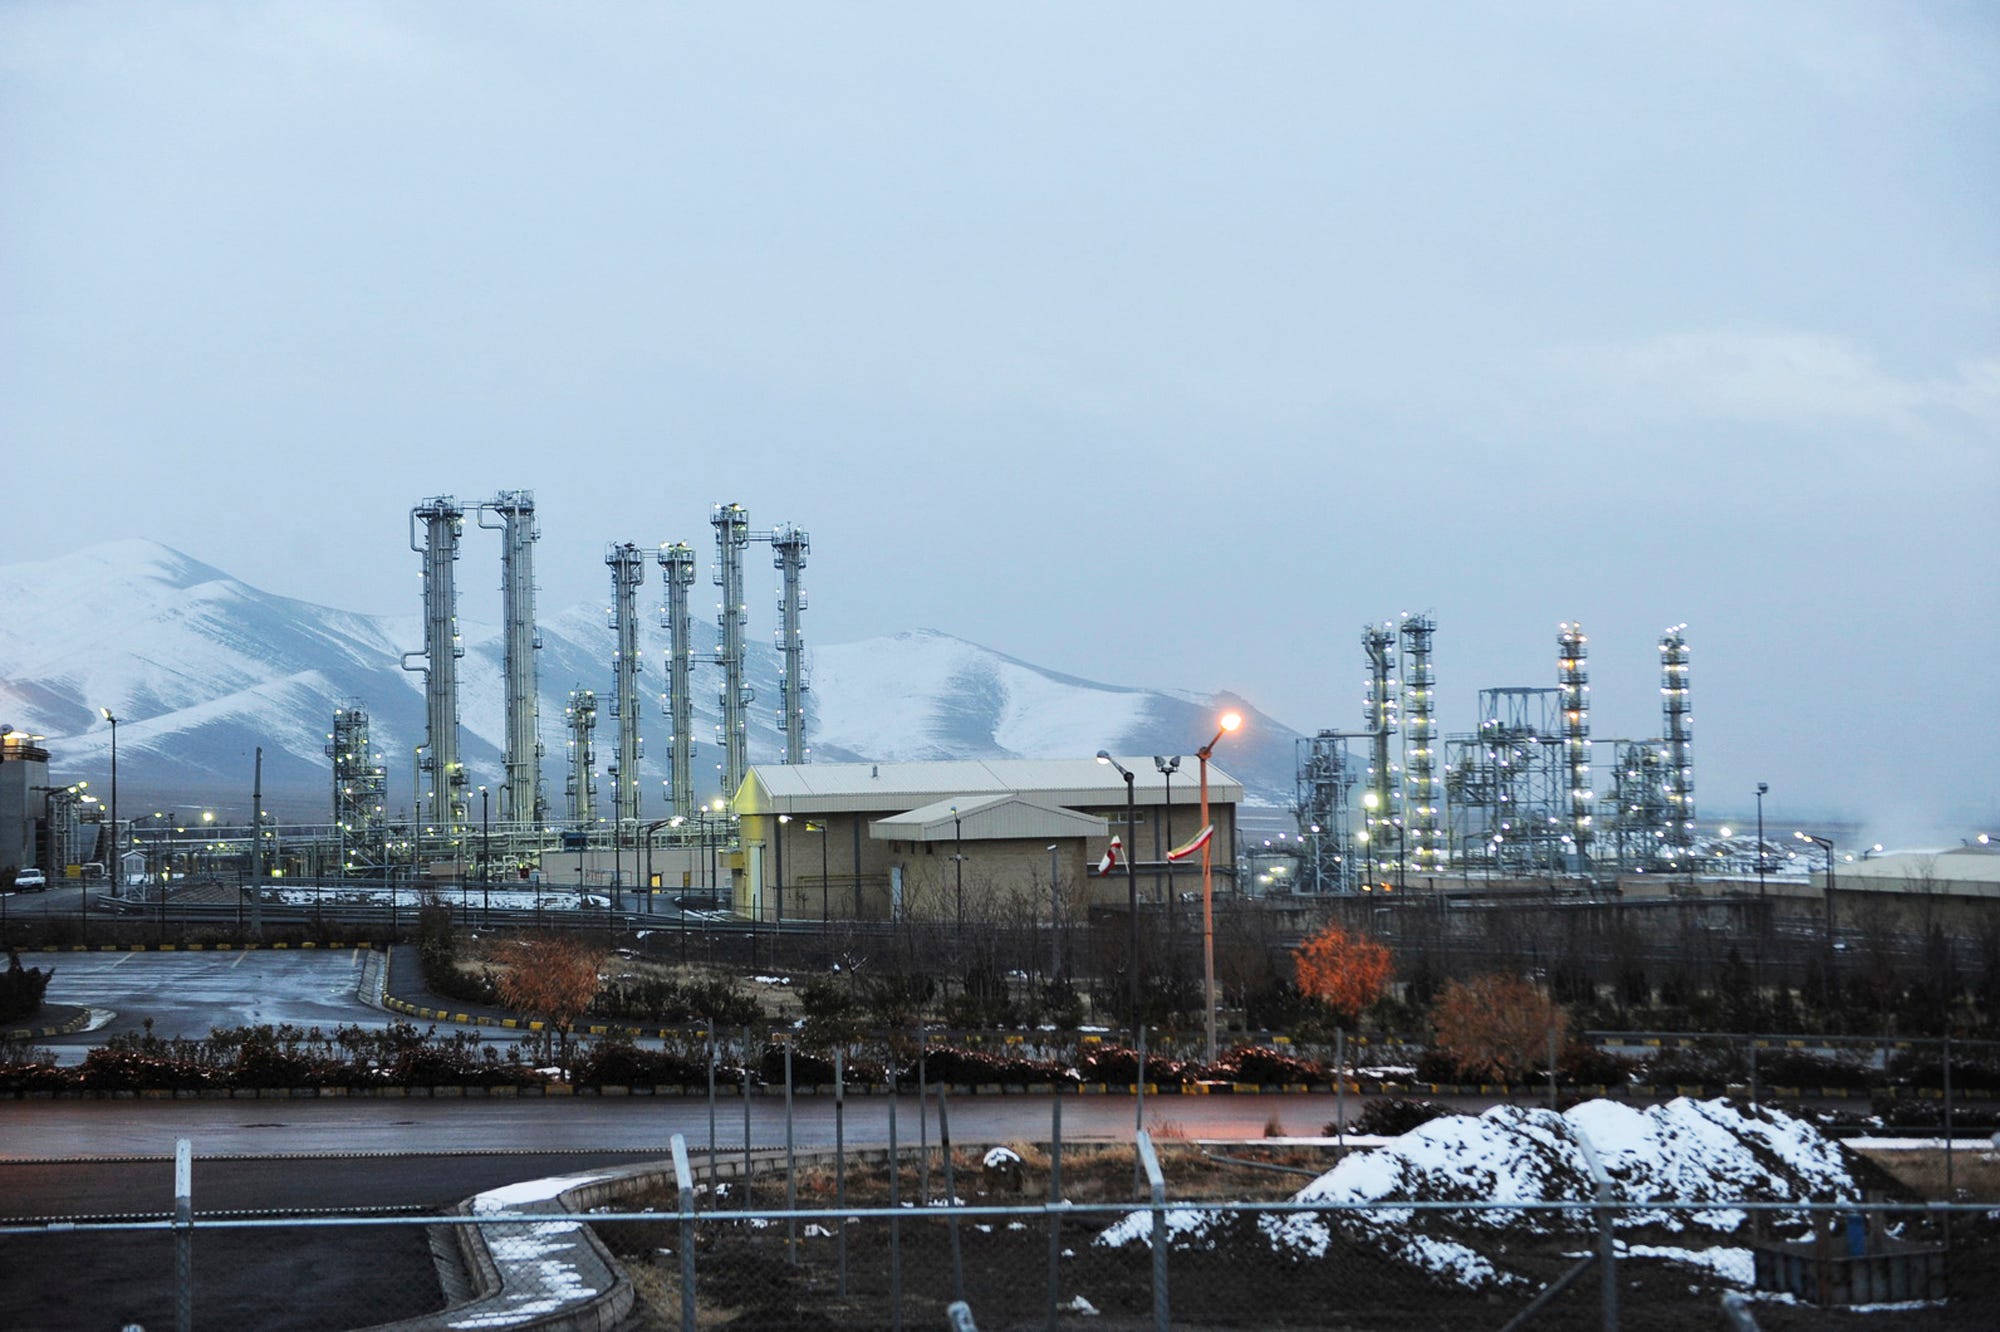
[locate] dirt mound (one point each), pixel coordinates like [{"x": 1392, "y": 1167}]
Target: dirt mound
[{"x": 1682, "y": 1152}]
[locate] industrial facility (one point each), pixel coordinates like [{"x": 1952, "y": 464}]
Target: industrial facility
[{"x": 1518, "y": 796}]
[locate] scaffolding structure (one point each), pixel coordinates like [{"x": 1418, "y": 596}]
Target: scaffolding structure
[
  {"x": 1573, "y": 682},
  {"x": 1504, "y": 784},
  {"x": 1636, "y": 810},
  {"x": 677, "y": 576},
  {"x": 1326, "y": 777},
  {"x": 789, "y": 547},
  {"x": 442, "y": 521},
  {"x": 732, "y": 538},
  {"x": 1678, "y": 725},
  {"x": 580, "y": 717},
  {"x": 1422, "y": 818},
  {"x": 360, "y": 793},
  {"x": 522, "y": 798},
  {"x": 1381, "y": 797},
  {"x": 628, "y": 570}
]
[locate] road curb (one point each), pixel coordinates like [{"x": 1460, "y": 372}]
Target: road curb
[{"x": 68, "y": 1027}]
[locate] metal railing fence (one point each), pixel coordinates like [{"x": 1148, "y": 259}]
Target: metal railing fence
[{"x": 1052, "y": 1263}]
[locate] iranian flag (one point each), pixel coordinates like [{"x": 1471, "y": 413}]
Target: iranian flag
[
  {"x": 1192, "y": 844},
  {"x": 1110, "y": 861}
]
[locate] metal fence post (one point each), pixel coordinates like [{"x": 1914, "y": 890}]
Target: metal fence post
[
  {"x": 1607, "y": 1233},
  {"x": 791, "y": 1166},
  {"x": 684, "y": 1181},
  {"x": 183, "y": 1235},
  {"x": 951, "y": 1199},
  {"x": 746, "y": 1119},
  {"x": 1157, "y": 1185},
  {"x": 1340, "y": 1092},
  {"x": 895, "y": 1221},
  {"x": 923, "y": 1121},
  {"x": 1055, "y": 1201},
  {"x": 713, "y": 1178},
  {"x": 840, "y": 1157}
]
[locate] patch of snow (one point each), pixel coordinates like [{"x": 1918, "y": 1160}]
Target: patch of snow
[
  {"x": 1001, "y": 1157},
  {"x": 1080, "y": 1306},
  {"x": 1681, "y": 1152}
]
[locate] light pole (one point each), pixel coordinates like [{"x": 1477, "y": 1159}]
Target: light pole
[
  {"x": 958, "y": 868},
  {"x": 117, "y": 868},
  {"x": 1229, "y": 722},
  {"x": 1131, "y": 884},
  {"x": 779, "y": 919},
  {"x": 485, "y": 860},
  {"x": 1824, "y": 844},
  {"x": 1762, "y": 863},
  {"x": 1055, "y": 912},
  {"x": 1167, "y": 767},
  {"x": 825, "y": 877}
]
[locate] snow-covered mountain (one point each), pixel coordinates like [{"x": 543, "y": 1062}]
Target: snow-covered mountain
[{"x": 201, "y": 669}]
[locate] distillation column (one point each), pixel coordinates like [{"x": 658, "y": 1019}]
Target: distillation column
[
  {"x": 628, "y": 570},
  {"x": 581, "y": 719},
  {"x": 788, "y": 550},
  {"x": 360, "y": 791},
  {"x": 1573, "y": 688},
  {"x": 732, "y": 537},
  {"x": 442, "y": 521},
  {"x": 521, "y": 798},
  {"x": 1679, "y": 725},
  {"x": 1381, "y": 820},
  {"x": 1420, "y": 780},
  {"x": 677, "y": 573}
]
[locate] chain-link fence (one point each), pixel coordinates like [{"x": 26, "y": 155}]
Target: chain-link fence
[{"x": 1030, "y": 1235}]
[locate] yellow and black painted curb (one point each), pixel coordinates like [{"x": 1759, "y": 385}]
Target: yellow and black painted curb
[{"x": 75, "y": 1024}]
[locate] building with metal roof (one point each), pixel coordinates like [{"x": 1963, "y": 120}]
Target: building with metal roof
[{"x": 979, "y": 839}]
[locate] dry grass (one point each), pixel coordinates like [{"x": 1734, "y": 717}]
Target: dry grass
[{"x": 1975, "y": 1175}]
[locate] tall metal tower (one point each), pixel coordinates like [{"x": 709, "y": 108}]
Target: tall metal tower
[
  {"x": 360, "y": 791},
  {"x": 521, "y": 796},
  {"x": 1380, "y": 813},
  {"x": 628, "y": 570},
  {"x": 1420, "y": 781},
  {"x": 1573, "y": 688},
  {"x": 1679, "y": 726},
  {"x": 1508, "y": 795},
  {"x": 788, "y": 549},
  {"x": 443, "y": 521},
  {"x": 1635, "y": 810},
  {"x": 581, "y": 788},
  {"x": 677, "y": 573},
  {"x": 1325, "y": 778},
  {"x": 732, "y": 537}
]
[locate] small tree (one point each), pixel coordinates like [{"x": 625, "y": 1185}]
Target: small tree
[
  {"x": 554, "y": 979},
  {"x": 1495, "y": 1026},
  {"x": 1346, "y": 972}
]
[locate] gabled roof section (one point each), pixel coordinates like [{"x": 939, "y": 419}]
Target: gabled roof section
[
  {"x": 987, "y": 818},
  {"x": 817, "y": 788}
]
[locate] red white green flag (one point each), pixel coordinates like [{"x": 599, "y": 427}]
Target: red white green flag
[{"x": 1192, "y": 844}]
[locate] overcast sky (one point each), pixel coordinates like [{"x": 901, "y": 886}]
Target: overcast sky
[{"x": 1160, "y": 344}]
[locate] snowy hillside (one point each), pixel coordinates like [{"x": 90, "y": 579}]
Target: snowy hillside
[{"x": 201, "y": 669}]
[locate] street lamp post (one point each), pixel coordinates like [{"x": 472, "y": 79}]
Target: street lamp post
[
  {"x": 1763, "y": 863},
  {"x": 825, "y": 877},
  {"x": 1825, "y": 844},
  {"x": 1230, "y": 721},
  {"x": 958, "y": 868},
  {"x": 1167, "y": 767},
  {"x": 1131, "y": 884},
  {"x": 778, "y": 920},
  {"x": 116, "y": 867},
  {"x": 485, "y": 859}
]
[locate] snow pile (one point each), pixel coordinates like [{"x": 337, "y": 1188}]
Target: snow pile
[{"x": 1681, "y": 1152}]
